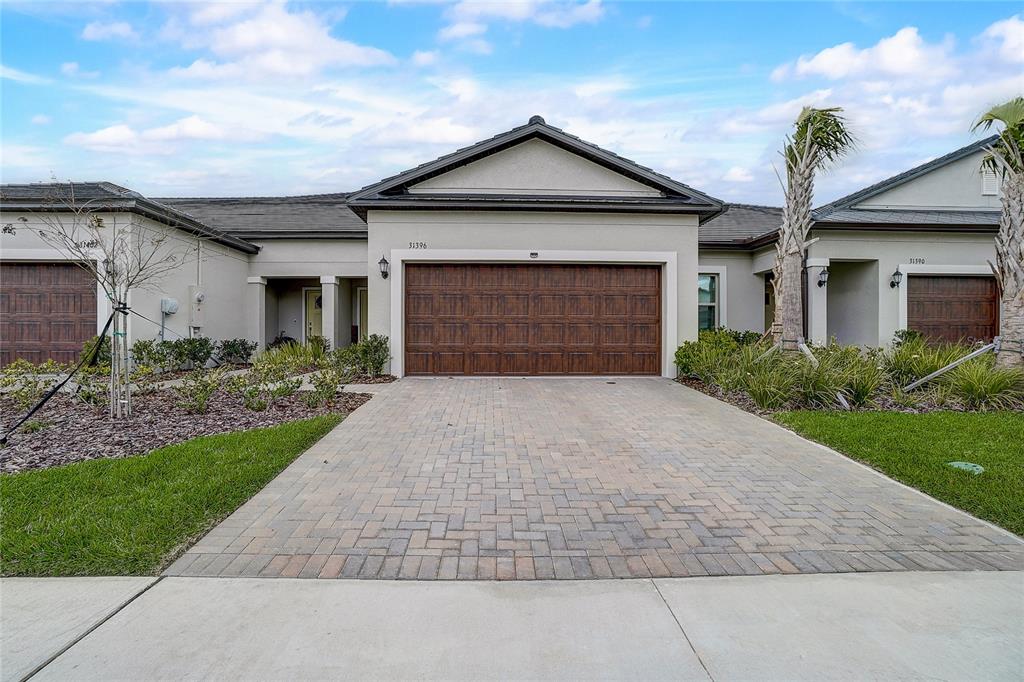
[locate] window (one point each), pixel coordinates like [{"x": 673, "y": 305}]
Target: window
[
  {"x": 707, "y": 301},
  {"x": 989, "y": 183}
]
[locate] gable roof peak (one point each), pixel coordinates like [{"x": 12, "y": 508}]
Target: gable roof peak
[{"x": 537, "y": 119}]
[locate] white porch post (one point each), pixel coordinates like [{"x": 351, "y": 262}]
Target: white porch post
[
  {"x": 817, "y": 302},
  {"x": 329, "y": 297},
  {"x": 257, "y": 294}
]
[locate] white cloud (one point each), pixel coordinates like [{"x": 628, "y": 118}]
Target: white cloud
[
  {"x": 265, "y": 41},
  {"x": 462, "y": 29},
  {"x": 98, "y": 30},
  {"x": 1010, "y": 34},
  {"x": 40, "y": 120},
  {"x": 469, "y": 19},
  {"x": 774, "y": 117},
  {"x": 189, "y": 128},
  {"x": 738, "y": 174},
  {"x": 21, "y": 76},
  {"x": 601, "y": 86},
  {"x": 73, "y": 70},
  {"x": 110, "y": 139},
  {"x": 904, "y": 54},
  {"x": 425, "y": 57},
  {"x": 645, "y": 21}
]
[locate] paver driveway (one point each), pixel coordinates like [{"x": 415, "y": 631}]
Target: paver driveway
[{"x": 580, "y": 478}]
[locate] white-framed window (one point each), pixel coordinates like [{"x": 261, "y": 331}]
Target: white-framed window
[
  {"x": 989, "y": 182},
  {"x": 708, "y": 300}
]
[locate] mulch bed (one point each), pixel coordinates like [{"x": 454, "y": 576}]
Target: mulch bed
[
  {"x": 881, "y": 403},
  {"x": 77, "y": 432}
]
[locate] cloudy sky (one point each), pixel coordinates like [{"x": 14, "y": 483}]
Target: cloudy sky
[{"x": 230, "y": 98}]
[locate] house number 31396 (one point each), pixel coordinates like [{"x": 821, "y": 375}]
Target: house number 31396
[{"x": 417, "y": 245}]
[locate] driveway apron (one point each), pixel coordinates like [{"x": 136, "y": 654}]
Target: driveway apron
[{"x": 509, "y": 478}]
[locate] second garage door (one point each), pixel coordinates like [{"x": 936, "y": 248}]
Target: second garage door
[
  {"x": 953, "y": 308},
  {"x": 531, "y": 319},
  {"x": 47, "y": 311}
]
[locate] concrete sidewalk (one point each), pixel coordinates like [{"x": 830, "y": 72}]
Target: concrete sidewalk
[{"x": 910, "y": 625}]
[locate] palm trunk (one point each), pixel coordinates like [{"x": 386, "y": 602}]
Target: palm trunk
[
  {"x": 789, "y": 258},
  {"x": 1009, "y": 269}
]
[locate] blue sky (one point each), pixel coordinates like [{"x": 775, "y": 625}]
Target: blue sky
[{"x": 222, "y": 99}]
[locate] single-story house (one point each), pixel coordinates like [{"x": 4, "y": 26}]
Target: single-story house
[{"x": 532, "y": 252}]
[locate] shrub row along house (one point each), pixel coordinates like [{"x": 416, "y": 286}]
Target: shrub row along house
[{"x": 533, "y": 252}]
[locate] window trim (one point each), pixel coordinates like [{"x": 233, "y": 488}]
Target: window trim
[{"x": 721, "y": 298}]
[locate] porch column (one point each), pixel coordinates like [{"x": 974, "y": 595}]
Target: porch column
[
  {"x": 329, "y": 297},
  {"x": 257, "y": 324},
  {"x": 817, "y": 302}
]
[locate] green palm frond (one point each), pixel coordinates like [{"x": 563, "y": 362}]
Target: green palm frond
[
  {"x": 1010, "y": 145},
  {"x": 825, "y": 129}
]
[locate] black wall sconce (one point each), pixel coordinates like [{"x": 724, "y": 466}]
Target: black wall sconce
[
  {"x": 895, "y": 280},
  {"x": 823, "y": 277},
  {"x": 385, "y": 267}
]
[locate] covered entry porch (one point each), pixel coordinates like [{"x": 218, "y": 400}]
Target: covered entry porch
[{"x": 299, "y": 308}]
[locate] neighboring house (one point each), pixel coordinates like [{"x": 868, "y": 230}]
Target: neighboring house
[{"x": 532, "y": 252}]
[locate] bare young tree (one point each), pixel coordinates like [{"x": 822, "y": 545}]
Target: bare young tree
[
  {"x": 121, "y": 252},
  {"x": 1005, "y": 158},
  {"x": 820, "y": 137}
]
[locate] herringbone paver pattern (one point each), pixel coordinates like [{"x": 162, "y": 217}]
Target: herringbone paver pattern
[{"x": 580, "y": 478}]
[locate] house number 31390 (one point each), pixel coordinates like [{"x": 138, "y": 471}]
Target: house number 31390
[{"x": 417, "y": 245}]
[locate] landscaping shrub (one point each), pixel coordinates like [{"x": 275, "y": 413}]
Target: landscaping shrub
[
  {"x": 25, "y": 383},
  {"x": 770, "y": 384},
  {"x": 196, "y": 389},
  {"x": 325, "y": 387},
  {"x": 150, "y": 353},
  {"x": 265, "y": 383},
  {"x": 321, "y": 344},
  {"x": 192, "y": 353},
  {"x": 346, "y": 360},
  {"x": 374, "y": 352},
  {"x": 104, "y": 350},
  {"x": 724, "y": 339},
  {"x": 295, "y": 357},
  {"x": 236, "y": 351},
  {"x": 93, "y": 386},
  {"x": 817, "y": 386},
  {"x": 981, "y": 386}
]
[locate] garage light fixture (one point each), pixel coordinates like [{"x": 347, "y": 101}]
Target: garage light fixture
[
  {"x": 823, "y": 277},
  {"x": 385, "y": 267},
  {"x": 896, "y": 278}
]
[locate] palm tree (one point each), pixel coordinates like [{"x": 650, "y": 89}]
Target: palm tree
[
  {"x": 820, "y": 138},
  {"x": 1005, "y": 158}
]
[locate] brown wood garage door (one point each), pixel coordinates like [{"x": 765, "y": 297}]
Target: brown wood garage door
[
  {"x": 532, "y": 319},
  {"x": 953, "y": 308},
  {"x": 47, "y": 310}
]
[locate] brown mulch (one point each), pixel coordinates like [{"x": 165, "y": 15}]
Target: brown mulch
[
  {"x": 881, "y": 403},
  {"x": 77, "y": 432}
]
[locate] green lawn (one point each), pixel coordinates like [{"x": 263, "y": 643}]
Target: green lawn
[
  {"x": 914, "y": 449},
  {"x": 132, "y": 516}
]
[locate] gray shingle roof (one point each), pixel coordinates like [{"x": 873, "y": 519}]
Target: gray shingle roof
[
  {"x": 739, "y": 224},
  {"x": 318, "y": 216},
  {"x": 106, "y": 196},
  {"x": 896, "y": 180},
  {"x": 916, "y": 217}
]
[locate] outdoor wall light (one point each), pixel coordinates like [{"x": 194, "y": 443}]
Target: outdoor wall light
[
  {"x": 385, "y": 267},
  {"x": 823, "y": 277},
  {"x": 895, "y": 280}
]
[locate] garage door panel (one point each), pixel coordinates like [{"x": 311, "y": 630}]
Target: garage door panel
[
  {"x": 550, "y": 362},
  {"x": 516, "y": 363},
  {"x": 533, "y": 319},
  {"x": 48, "y": 309},
  {"x": 953, "y": 307},
  {"x": 484, "y": 334},
  {"x": 419, "y": 305},
  {"x": 515, "y": 305}
]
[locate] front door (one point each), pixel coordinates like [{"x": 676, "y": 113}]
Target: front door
[{"x": 314, "y": 313}]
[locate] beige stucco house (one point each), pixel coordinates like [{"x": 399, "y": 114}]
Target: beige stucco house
[{"x": 532, "y": 252}]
